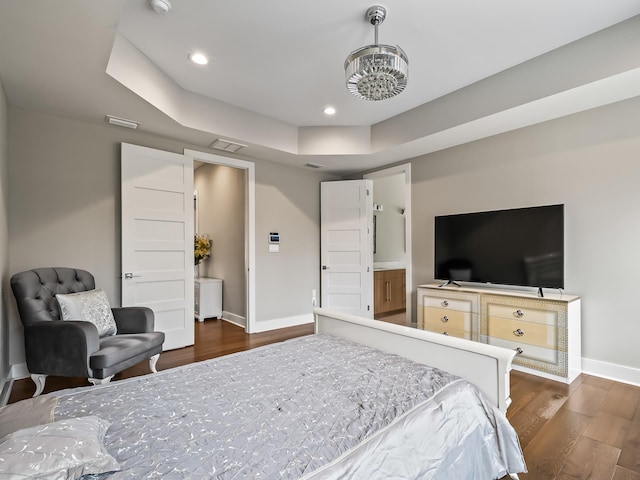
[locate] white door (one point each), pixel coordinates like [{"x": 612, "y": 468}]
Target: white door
[
  {"x": 346, "y": 252},
  {"x": 157, "y": 239}
]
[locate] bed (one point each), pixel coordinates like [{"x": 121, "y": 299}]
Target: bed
[{"x": 359, "y": 399}]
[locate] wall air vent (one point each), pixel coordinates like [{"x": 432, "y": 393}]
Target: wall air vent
[
  {"x": 313, "y": 165},
  {"x": 226, "y": 145},
  {"x": 122, "y": 122}
]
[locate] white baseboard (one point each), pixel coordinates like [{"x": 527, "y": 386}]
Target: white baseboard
[
  {"x": 611, "y": 371},
  {"x": 235, "y": 319},
  {"x": 276, "y": 323}
]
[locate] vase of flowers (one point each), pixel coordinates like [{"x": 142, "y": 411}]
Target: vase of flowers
[{"x": 201, "y": 250}]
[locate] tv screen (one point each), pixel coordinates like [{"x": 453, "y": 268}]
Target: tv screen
[{"x": 523, "y": 246}]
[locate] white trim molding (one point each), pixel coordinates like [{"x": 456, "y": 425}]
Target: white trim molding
[
  {"x": 611, "y": 371},
  {"x": 275, "y": 323},
  {"x": 235, "y": 319},
  {"x": 250, "y": 224},
  {"x": 405, "y": 168}
]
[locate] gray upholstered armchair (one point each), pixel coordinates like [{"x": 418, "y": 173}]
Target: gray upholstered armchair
[{"x": 74, "y": 348}]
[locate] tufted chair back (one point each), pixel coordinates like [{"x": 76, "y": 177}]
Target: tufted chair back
[{"x": 35, "y": 291}]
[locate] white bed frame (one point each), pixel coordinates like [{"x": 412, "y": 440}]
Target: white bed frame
[{"x": 486, "y": 366}]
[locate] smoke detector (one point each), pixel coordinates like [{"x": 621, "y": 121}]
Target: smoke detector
[{"x": 160, "y": 6}]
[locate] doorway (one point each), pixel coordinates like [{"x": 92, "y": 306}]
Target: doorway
[
  {"x": 231, "y": 172},
  {"x": 392, "y": 247}
]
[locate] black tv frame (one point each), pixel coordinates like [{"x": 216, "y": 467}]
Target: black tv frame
[{"x": 542, "y": 261}]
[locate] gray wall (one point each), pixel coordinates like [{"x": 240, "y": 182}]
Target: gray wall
[
  {"x": 64, "y": 190},
  {"x": 287, "y": 203},
  {"x": 221, "y": 215},
  {"x": 4, "y": 242},
  {"x": 591, "y": 163}
]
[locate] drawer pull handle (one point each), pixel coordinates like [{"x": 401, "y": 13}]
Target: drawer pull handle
[
  {"x": 445, "y": 319},
  {"x": 445, "y": 303},
  {"x": 518, "y": 332},
  {"x": 445, "y": 333},
  {"x": 518, "y": 313},
  {"x": 519, "y": 351}
]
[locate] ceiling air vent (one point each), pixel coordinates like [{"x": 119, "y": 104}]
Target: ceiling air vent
[
  {"x": 226, "y": 145},
  {"x": 313, "y": 165}
]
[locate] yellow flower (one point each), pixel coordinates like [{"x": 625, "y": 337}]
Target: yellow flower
[{"x": 201, "y": 247}]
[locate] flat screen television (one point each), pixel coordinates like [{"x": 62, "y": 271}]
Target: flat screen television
[{"x": 522, "y": 246}]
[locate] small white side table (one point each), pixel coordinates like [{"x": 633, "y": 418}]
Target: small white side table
[{"x": 208, "y": 298}]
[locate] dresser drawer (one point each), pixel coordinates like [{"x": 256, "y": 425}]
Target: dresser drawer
[
  {"x": 528, "y": 314},
  {"x": 447, "y": 303},
  {"x": 523, "y": 352},
  {"x": 444, "y": 318},
  {"x": 453, "y": 332},
  {"x": 537, "y": 334}
]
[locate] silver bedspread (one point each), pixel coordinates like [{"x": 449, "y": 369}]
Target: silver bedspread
[{"x": 316, "y": 407}]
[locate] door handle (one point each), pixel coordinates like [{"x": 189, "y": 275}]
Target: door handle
[{"x": 130, "y": 275}]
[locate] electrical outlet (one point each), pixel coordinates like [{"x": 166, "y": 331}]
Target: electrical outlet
[{"x": 314, "y": 299}]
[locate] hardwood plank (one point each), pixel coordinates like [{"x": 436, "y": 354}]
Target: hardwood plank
[
  {"x": 622, "y": 401},
  {"x": 586, "y": 399},
  {"x": 622, "y": 473},
  {"x": 524, "y": 388},
  {"x": 527, "y": 425},
  {"x": 609, "y": 429},
  {"x": 590, "y": 459},
  {"x": 549, "y": 400},
  {"x": 599, "y": 382},
  {"x": 630, "y": 455},
  {"x": 547, "y": 453}
]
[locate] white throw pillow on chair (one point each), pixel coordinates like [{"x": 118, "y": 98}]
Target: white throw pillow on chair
[{"x": 90, "y": 306}]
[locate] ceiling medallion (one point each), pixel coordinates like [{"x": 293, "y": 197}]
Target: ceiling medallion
[{"x": 376, "y": 72}]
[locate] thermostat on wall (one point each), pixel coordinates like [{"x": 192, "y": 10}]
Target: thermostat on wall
[{"x": 274, "y": 237}]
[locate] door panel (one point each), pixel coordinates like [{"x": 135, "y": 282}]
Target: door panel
[
  {"x": 346, "y": 246},
  {"x": 157, "y": 239}
]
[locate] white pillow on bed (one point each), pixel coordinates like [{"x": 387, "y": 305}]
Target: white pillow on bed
[
  {"x": 90, "y": 306},
  {"x": 67, "y": 449}
]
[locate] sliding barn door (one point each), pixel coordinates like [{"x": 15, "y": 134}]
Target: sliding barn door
[
  {"x": 346, "y": 256},
  {"x": 157, "y": 239}
]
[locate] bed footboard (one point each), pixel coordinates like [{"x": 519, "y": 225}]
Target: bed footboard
[{"x": 486, "y": 366}]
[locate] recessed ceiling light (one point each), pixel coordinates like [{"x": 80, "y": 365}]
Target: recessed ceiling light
[
  {"x": 329, "y": 111},
  {"x": 198, "y": 58},
  {"x": 160, "y": 6}
]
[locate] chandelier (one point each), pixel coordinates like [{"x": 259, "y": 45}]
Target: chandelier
[{"x": 376, "y": 72}]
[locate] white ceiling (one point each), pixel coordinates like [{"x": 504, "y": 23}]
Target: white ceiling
[{"x": 278, "y": 64}]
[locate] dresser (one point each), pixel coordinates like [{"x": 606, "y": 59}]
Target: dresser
[
  {"x": 208, "y": 298},
  {"x": 448, "y": 312},
  {"x": 545, "y": 331}
]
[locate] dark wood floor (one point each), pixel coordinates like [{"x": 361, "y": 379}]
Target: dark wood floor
[{"x": 587, "y": 430}]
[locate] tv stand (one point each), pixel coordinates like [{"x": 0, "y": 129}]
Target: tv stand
[
  {"x": 450, "y": 282},
  {"x": 545, "y": 332}
]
